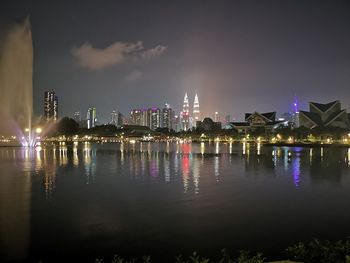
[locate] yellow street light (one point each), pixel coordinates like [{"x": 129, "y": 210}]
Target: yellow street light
[{"x": 38, "y": 130}]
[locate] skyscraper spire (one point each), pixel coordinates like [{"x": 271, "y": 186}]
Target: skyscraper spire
[
  {"x": 185, "y": 114},
  {"x": 186, "y": 106},
  {"x": 295, "y": 104},
  {"x": 196, "y": 112}
]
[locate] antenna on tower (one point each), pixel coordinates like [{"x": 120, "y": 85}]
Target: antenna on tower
[{"x": 295, "y": 104}]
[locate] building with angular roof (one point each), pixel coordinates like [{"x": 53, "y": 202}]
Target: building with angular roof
[
  {"x": 324, "y": 115},
  {"x": 257, "y": 120}
]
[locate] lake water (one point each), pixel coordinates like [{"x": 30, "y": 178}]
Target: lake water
[{"x": 90, "y": 201}]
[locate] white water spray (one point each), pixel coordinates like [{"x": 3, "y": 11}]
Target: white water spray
[{"x": 16, "y": 84}]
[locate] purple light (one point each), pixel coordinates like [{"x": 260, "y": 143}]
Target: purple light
[{"x": 295, "y": 104}]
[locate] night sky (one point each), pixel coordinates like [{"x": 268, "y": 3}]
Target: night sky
[{"x": 239, "y": 56}]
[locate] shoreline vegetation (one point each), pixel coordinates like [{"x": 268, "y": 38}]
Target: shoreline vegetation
[
  {"x": 67, "y": 130},
  {"x": 315, "y": 251}
]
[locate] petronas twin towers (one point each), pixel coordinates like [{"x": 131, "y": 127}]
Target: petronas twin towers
[{"x": 187, "y": 120}]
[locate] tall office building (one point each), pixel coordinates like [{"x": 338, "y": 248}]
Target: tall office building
[
  {"x": 154, "y": 117},
  {"x": 177, "y": 123},
  {"x": 185, "y": 114},
  {"x": 136, "y": 117},
  {"x": 91, "y": 118},
  {"x": 227, "y": 119},
  {"x": 77, "y": 116},
  {"x": 217, "y": 117},
  {"x": 50, "y": 106},
  {"x": 114, "y": 118},
  {"x": 145, "y": 118},
  {"x": 196, "y": 112},
  {"x": 167, "y": 116},
  {"x": 120, "y": 119}
]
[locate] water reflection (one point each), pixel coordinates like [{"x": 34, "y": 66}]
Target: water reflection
[
  {"x": 196, "y": 174},
  {"x": 167, "y": 162},
  {"x": 216, "y": 168},
  {"x": 90, "y": 162},
  {"x": 192, "y": 169},
  {"x": 296, "y": 171},
  {"x": 186, "y": 149}
]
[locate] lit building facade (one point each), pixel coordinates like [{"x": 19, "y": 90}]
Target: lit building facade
[
  {"x": 50, "y": 106},
  {"x": 91, "y": 118},
  {"x": 114, "y": 118},
  {"x": 146, "y": 117},
  {"x": 227, "y": 119},
  {"x": 136, "y": 117},
  {"x": 77, "y": 116},
  {"x": 257, "y": 120},
  {"x": 196, "y": 111},
  {"x": 167, "y": 117},
  {"x": 154, "y": 117},
  {"x": 217, "y": 117},
  {"x": 185, "y": 114},
  {"x": 176, "y": 123}
]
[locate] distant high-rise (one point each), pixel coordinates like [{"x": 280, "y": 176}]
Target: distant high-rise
[
  {"x": 154, "y": 117},
  {"x": 227, "y": 119},
  {"x": 120, "y": 119},
  {"x": 77, "y": 116},
  {"x": 50, "y": 106},
  {"x": 145, "y": 118},
  {"x": 136, "y": 117},
  {"x": 196, "y": 112},
  {"x": 185, "y": 114},
  {"x": 217, "y": 117},
  {"x": 114, "y": 118},
  {"x": 167, "y": 116},
  {"x": 91, "y": 118},
  {"x": 176, "y": 123}
]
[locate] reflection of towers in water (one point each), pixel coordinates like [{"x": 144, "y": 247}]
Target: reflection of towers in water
[
  {"x": 89, "y": 162},
  {"x": 186, "y": 114},
  {"x": 166, "y": 167},
  {"x": 50, "y": 163},
  {"x": 196, "y": 112},
  {"x": 296, "y": 171},
  {"x": 186, "y": 150},
  {"x": 195, "y": 170}
]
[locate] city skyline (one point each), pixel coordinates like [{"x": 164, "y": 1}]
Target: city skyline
[{"x": 252, "y": 55}]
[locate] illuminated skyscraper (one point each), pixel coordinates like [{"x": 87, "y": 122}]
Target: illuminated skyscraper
[
  {"x": 136, "y": 117},
  {"x": 154, "y": 117},
  {"x": 167, "y": 116},
  {"x": 176, "y": 123},
  {"x": 145, "y": 118},
  {"x": 91, "y": 118},
  {"x": 114, "y": 118},
  {"x": 227, "y": 119},
  {"x": 77, "y": 116},
  {"x": 185, "y": 114},
  {"x": 50, "y": 106},
  {"x": 217, "y": 117},
  {"x": 196, "y": 112}
]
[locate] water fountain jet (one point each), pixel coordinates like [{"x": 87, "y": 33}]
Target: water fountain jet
[{"x": 16, "y": 84}]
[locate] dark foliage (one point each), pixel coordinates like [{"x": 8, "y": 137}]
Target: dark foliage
[{"x": 320, "y": 251}]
